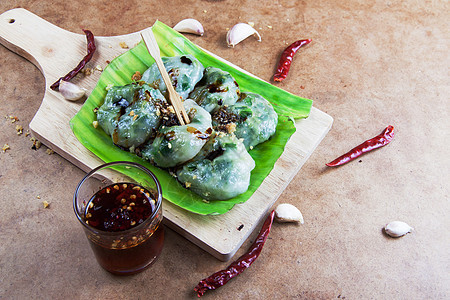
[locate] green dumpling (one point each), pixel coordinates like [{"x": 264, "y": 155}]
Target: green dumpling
[
  {"x": 253, "y": 117},
  {"x": 220, "y": 171},
  {"x": 216, "y": 89},
  {"x": 129, "y": 114},
  {"x": 184, "y": 72},
  {"x": 177, "y": 144}
]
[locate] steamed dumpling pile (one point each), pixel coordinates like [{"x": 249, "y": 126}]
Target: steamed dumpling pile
[{"x": 210, "y": 154}]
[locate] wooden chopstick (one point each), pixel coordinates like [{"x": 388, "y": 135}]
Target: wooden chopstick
[{"x": 175, "y": 99}]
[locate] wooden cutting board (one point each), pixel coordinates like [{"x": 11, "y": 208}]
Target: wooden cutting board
[{"x": 56, "y": 51}]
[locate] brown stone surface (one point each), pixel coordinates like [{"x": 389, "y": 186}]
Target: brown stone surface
[{"x": 370, "y": 64}]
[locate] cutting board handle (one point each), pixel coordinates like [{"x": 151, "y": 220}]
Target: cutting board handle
[{"x": 47, "y": 46}]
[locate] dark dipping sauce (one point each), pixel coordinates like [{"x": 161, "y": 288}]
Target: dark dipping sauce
[{"x": 120, "y": 208}]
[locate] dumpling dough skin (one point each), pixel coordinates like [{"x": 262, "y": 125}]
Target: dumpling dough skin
[
  {"x": 177, "y": 144},
  {"x": 255, "y": 119},
  {"x": 220, "y": 171},
  {"x": 184, "y": 72},
  {"x": 216, "y": 89},
  {"x": 129, "y": 114}
]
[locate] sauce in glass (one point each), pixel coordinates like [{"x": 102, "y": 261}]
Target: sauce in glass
[{"x": 123, "y": 207}]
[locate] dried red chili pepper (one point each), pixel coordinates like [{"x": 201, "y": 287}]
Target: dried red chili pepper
[
  {"x": 380, "y": 140},
  {"x": 220, "y": 278},
  {"x": 286, "y": 59},
  {"x": 90, "y": 52}
]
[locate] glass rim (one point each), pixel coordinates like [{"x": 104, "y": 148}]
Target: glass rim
[{"x": 102, "y": 166}]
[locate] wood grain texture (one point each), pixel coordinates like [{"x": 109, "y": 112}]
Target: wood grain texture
[{"x": 56, "y": 51}]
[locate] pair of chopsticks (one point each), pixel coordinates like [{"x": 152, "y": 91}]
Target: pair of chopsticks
[{"x": 175, "y": 99}]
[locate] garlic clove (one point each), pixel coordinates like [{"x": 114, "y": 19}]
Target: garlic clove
[
  {"x": 397, "y": 229},
  {"x": 71, "y": 91},
  {"x": 240, "y": 32},
  {"x": 189, "y": 26},
  {"x": 288, "y": 213}
]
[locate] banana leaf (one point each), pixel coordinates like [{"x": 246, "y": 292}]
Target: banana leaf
[{"x": 171, "y": 43}]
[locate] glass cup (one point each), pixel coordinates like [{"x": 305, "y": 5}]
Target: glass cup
[{"x": 132, "y": 250}]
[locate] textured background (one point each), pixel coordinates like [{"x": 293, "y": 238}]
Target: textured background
[{"x": 371, "y": 64}]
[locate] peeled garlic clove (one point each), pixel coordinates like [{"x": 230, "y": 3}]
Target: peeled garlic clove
[
  {"x": 288, "y": 213},
  {"x": 71, "y": 91},
  {"x": 397, "y": 229},
  {"x": 189, "y": 26},
  {"x": 240, "y": 32}
]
